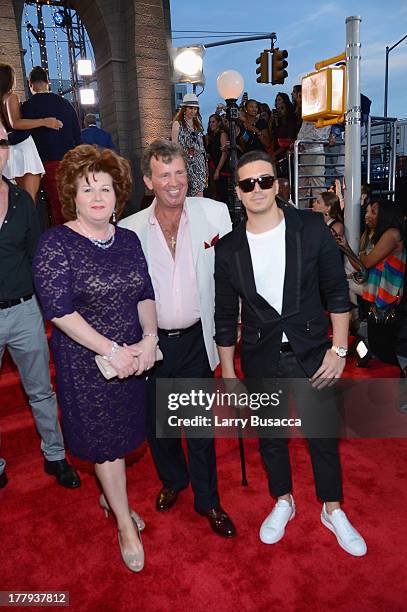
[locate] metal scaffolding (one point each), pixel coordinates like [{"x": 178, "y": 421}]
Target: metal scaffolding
[{"x": 75, "y": 32}]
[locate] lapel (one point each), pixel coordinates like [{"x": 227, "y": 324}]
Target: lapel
[
  {"x": 292, "y": 278},
  {"x": 293, "y": 262},
  {"x": 197, "y": 223},
  {"x": 142, "y": 230}
]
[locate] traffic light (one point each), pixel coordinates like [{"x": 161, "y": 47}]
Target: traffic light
[
  {"x": 278, "y": 66},
  {"x": 263, "y": 69}
]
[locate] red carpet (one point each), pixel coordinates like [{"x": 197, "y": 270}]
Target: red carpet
[{"x": 56, "y": 539}]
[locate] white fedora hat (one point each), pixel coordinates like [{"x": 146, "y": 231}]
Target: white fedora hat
[{"x": 190, "y": 99}]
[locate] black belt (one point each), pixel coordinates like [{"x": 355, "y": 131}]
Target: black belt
[
  {"x": 286, "y": 347},
  {"x": 176, "y": 333},
  {"x": 9, "y": 303}
]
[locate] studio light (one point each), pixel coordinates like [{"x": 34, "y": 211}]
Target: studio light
[
  {"x": 187, "y": 63},
  {"x": 84, "y": 67},
  {"x": 59, "y": 18},
  {"x": 87, "y": 97}
]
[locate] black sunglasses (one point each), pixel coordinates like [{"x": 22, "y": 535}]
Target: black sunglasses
[
  {"x": 264, "y": 182},
  {"x": 4, "y": 142}
]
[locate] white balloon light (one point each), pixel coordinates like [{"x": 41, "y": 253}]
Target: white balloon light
[{"x": 230, "y": 84}]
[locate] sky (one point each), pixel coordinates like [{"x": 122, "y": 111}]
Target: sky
[{"x": 310, "y": 31}]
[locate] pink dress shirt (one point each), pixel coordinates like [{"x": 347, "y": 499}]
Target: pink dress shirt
[{"x": 174, "y": 280}]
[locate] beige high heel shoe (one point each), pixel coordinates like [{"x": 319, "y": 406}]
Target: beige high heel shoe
[
  {"x": 133, "y": 561},
  {"x": 137, "y": 520}
]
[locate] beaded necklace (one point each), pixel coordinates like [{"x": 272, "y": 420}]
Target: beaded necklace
[{"x": 102, "y": 243}]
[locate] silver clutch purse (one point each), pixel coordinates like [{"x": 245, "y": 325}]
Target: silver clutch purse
[{"x": 108, "y": 370}]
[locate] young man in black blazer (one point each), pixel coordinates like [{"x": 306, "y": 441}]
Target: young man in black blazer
[{"x": 282, "y": 263}]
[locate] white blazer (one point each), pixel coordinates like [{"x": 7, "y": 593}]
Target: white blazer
[{"x": 207, "y": 220}]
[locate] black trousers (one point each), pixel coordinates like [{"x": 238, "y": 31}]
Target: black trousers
[
  {"x": 324, "y": 451},
  {"x": 184, "y": 357}
]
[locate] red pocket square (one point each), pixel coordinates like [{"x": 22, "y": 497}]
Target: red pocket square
[{"x": 213, "y": 242}]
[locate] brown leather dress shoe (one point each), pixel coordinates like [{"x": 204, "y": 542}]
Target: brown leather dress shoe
[
  {"x": 220, "y": 522},
  {"x": 166, "y": 499}
]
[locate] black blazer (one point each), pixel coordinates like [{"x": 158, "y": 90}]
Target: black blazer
[{"x": 314, "y": 281}]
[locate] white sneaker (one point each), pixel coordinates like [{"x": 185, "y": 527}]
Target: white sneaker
[
  {"x": 273, "y": 527},
  {"x": 348, "y": 538}
]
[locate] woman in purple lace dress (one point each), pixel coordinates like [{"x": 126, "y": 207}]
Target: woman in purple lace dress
[{"x": 93, "y": 284}]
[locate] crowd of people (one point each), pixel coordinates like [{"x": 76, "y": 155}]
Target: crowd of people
[
  {"x": 176, "y": 275},
  {"x": 258, "y": 128}
]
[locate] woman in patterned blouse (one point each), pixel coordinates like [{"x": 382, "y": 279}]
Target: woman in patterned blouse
[{"x": 187, "y": 130}]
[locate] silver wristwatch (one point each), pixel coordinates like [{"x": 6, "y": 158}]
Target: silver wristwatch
[{"x": 341, "y": 351}]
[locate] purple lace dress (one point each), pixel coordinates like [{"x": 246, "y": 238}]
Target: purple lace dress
[{"x": 102, "y": 420}]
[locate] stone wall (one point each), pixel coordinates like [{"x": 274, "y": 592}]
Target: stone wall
[{"x": 10, "y": 48}]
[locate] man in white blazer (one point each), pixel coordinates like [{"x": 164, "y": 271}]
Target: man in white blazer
[{"x": 178, "y": 235}]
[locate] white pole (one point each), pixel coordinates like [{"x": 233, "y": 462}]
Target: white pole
[{"x": 352, "y": 132}]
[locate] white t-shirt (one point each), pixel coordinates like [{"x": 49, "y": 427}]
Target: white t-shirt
[{"x": 267, "y": 251}]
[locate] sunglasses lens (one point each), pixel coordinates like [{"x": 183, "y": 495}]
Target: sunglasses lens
[
  {"x": 247, "y": 185},
  {"x": 265, "y": 182}
]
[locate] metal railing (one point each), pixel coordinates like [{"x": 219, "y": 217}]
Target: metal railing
[
  {"x": 386, "y": 142},
  {"x": 297, "y": 165}
]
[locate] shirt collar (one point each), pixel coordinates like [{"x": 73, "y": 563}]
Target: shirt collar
[{"x": 153, "y": 219}]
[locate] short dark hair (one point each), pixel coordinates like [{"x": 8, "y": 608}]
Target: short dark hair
[
  {"x": 38, "y": 75},
  {"x": 161, "y": 147},
  {"x": 89, "y": 119},
  {"x": 253, "y": 156}
]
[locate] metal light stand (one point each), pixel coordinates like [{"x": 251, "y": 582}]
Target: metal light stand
[
  {"x": 236, "y": 214},
  {"x": 234, "y": 204}
]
